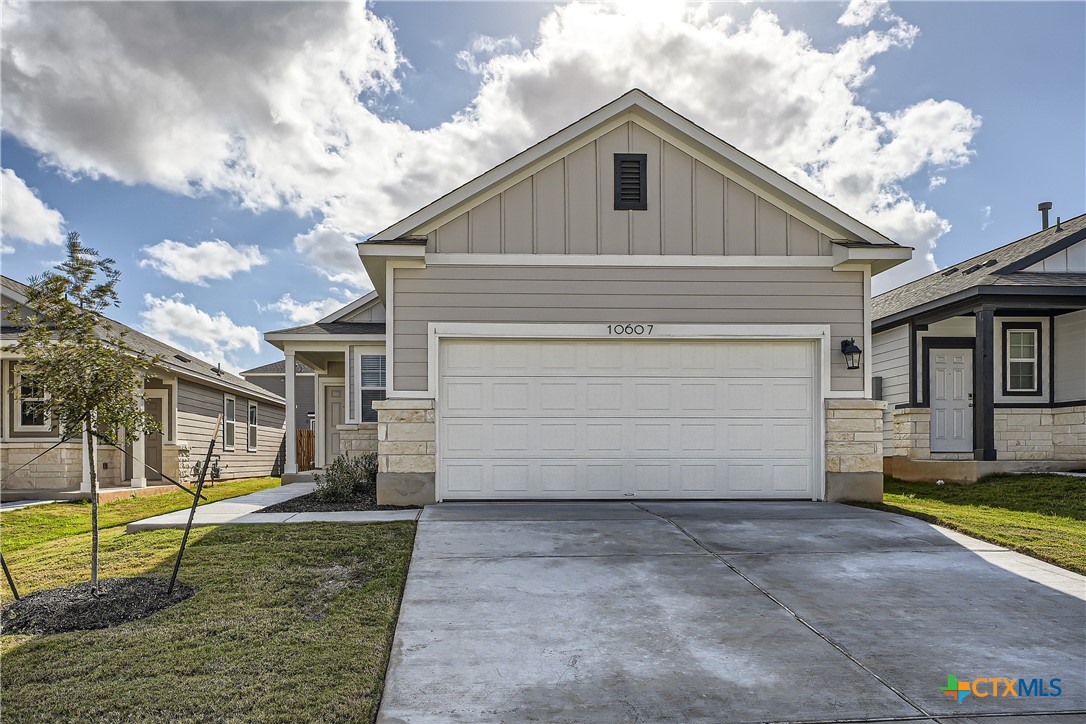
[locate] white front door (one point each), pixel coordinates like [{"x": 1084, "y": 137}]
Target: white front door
[
  {"x": 951, "y": 400},
  {"x": 333, "y": 417},
  {"x": 564, "y": 419}
]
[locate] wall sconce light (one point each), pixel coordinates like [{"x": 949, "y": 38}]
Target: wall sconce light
[{"x": 852, "y": 353}]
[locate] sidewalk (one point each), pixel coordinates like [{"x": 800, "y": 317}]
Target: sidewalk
[{"x": 244, "y": 509}]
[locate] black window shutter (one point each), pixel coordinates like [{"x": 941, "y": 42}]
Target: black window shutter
[{"x": 630, "y": 182}]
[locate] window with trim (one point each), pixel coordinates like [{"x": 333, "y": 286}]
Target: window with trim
[
  {"x": 29, "y": 414},
  {"x": 372, "y": 368},
  {"x": 251, "y": 442},
  {"x": 229, "y": 422},
  {"x": 1021, "y": 358}
]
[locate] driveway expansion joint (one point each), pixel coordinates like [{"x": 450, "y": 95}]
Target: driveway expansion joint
[{"x": 844, "y": 652}]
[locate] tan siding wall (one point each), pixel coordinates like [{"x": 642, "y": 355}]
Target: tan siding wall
[
  {"x": 669, "y": 295},
  {"x": 568, "y": 208},
  {"x": 197, "y": 408},
  {"x": 890, "y": 360}
]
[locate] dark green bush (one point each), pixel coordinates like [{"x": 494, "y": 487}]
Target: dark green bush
[{"x": 347, "y": 477}]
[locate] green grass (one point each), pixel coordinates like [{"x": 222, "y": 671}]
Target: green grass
[
  {"x": 1043, "y": 516},
  {"x": 289, "y": 623},
  {"x": 39, "y": 524}
]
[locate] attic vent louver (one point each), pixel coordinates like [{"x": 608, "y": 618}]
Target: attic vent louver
[
  {"x": 630, "y": 182},
  {"x": 950, "y": 271},
  {"x": 182, "y": 357},
  {"x": 972, "y": 269}
]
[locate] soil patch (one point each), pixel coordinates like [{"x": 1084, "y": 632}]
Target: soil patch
[
  {"x": 312, "y": 504},
  {"x": 75, "y": 608}
]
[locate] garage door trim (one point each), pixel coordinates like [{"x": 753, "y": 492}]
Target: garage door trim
[{"x": 820, "y": 334}]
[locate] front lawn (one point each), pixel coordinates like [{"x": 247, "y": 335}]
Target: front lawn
[
  {"x": 1041, "y": 515},
  {"x": 38, "y": 524},
  {"x": 289, "y": 623}
]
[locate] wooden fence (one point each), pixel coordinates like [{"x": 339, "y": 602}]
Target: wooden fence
[{"x": 305, "y": 443}]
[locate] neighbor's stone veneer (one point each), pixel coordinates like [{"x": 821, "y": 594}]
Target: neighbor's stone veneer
[
  {"x": 912, "y": 433},
  {"x": 854, "y": 436},
  {"x": 357, "y": 439},
  {"x": 406, "y": 436},
  {"x": 58, "y": 469},
  {"x": 1023, "y": 433}
]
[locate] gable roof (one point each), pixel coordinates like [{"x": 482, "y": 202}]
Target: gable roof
[
  {"x": 358, "y": 305},
  {"x": 278, "y": 367},
  {"x": 639, "y": 104},
  {"x": 320, "y": 329},
  {"x": 996, "y": 268},
  {"x": 171, "y": 358}
]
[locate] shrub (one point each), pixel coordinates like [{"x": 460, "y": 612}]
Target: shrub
[{"x": 348, "y": 477}]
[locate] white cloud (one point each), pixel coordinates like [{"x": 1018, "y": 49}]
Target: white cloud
[
  {"x": 24, "y": 216},
  {"x": 332, "y": 253},
  {"x": 213, "y": 337},
  {"x": 935, "y": 182},
  {"x": 308, "y": 312},
  {"x": 292, "y": 121},
  {"x": 986, "y": 217},
  {"x": 215, "y": 259},
  {"x": 484, "y": 47}
]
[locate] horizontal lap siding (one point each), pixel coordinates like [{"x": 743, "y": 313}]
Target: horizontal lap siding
[
  {"x": 890, "y": 360},
  {"x": 669, "y": 295},
  {"x": 197, "y": 409}
]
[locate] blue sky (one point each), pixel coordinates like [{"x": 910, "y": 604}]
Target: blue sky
[{"x": 227, "y": 155}]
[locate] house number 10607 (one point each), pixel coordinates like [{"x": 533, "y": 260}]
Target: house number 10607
[{"x": 634, "y": 330}]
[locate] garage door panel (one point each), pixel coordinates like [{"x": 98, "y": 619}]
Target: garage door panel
[
  {"x": 650, "y": 478},
  {"x": 610, "y": 358},
  {"x": 635, "y": 438},
  {"x": 637, "y": 418},
  {"x": 632, "y": 397}
]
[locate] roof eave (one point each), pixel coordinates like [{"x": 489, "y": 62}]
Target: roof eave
[{"x": 985, "y": 290}]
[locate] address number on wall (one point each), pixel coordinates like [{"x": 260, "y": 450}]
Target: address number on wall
[{"x": 629, "y": 330}]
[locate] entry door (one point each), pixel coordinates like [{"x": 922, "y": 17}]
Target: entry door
[
  {"x": 333, "y": 416},
  {"x": 952, "y": 400},
  {"x": 153, "y": 449}
]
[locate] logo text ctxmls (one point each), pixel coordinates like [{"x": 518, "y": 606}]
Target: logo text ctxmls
[{"x": 1000, "y": 686}]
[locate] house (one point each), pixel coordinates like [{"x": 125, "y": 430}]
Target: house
[
  {"x": 346, "y": 353},
  {"x": 273, "y": 378},
  {"x": 184, "y": 393},
  {"x": 983, "y": 365},
  {"x": 631, "y": 308}
]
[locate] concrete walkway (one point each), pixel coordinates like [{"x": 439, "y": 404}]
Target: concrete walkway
[
  {"x": 710, "y": 612},
  {"x": 243, "y": 510}
]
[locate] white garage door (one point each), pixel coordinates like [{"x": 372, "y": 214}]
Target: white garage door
[{"x": 627, "y": 419}]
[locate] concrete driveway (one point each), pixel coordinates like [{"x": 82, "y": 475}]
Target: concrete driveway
[{"x": 564, "y": 612}]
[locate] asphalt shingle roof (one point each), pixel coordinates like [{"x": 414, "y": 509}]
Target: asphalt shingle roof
[
  {"x": 171, "y": 357},
  {"x": 277, "y": 368},
  {"x": 987, "y": 269},
  {"x": 331, "y": 328}
]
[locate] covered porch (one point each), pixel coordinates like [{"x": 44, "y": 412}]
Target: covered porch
[
  {"x": 997, "y": 384},
  {"x": 347, "y": 359}
]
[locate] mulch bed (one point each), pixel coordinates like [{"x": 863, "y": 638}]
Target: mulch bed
[
  {"x": 312, "y": 504},
  {"x": 75, "y": 608}
]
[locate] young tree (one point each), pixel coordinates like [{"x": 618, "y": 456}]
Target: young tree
[{"x": 91, "y": 378}]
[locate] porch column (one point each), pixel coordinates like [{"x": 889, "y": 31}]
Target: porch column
[
  {"x": 85, "y": 482},
  {"x": 291, "y": 464},
  {"x": 984, "y": 385},
  {"x": 139, "y": 451}
]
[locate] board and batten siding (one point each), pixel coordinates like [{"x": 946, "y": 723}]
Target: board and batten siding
[
  {"x": 890, "y": 361},
  {"x": 568, "y": 208},
  {"x": 661, "y": 295},
  {"x": 197, "y": 409},
  {"x": 1069, "y": 379}
]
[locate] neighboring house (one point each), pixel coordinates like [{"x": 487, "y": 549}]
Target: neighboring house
[
  {"x": 631, "y": 308},
  {"x": 273, "y": 378},
  {"x": 983, "y": 365},
  {"x": 184, "y": 393},
  {"x": 346, "y": 353}
]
